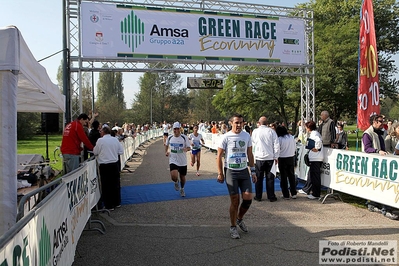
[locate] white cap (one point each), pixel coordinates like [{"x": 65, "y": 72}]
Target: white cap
[{"x": 176, "y": 125}]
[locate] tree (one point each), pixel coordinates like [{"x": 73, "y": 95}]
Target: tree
[
  {"x": 336, "y": 51},
  {"x": 87, "y": 94},
  {"x": 110, "y": 99},
  {"x": 159, "y": 90},
  {"x": 278, "y": 98}
]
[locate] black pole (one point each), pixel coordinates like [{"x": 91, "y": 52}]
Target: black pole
[
  {"x": 46, "y": 131},
  {"x": 65, "y": 65}
]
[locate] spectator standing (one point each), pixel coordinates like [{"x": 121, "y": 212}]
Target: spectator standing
[
  {"x": 178, "y": 145},
  {"x": 342, "y": 137},
  {"x": 392, "y": 138},
  {"x": 327, "y": 130},
  {"x": 196, "y": 140},
  {"x": 316, "y": 155},
  {"x": 267, "y": 149},
  {"x": 236, "y": 146},
  {"x": 107, "y": 150},
  {"x": 286, "y": 162},
  {"x": 71, "y": 145},
  {"x": 94, "y": 133},
  {"x": 214, "y": 128},
  {"x": 373, "y": 142}
]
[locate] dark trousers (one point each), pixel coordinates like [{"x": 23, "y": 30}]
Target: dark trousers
[
  {"x": 313, "y": 182},
  {"x": 262, "y": 169},
  {"x": 287, "y": 174},
  {"x": 110, "y": 185}
]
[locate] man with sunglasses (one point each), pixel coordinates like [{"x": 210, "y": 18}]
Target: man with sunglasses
[
  {"x": 373, "y": 142},
  {"x": 179, "y": 145}
]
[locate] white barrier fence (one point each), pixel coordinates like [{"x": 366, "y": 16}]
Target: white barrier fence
[
  {"x": 48, "y": 234},
  {"x": 369, "y": 176}
]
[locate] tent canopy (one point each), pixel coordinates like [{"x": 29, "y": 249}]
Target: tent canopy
[{"x": 35, "y": 92}]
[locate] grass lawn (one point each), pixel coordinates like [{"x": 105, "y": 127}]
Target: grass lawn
[
  {"x": 354, "y": 138},
  {"x": 37, "y": 145}
]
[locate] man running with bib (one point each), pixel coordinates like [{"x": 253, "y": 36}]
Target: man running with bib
[
  {"x": 236, "y": 145},
  {"x": 179, "y": 145}
]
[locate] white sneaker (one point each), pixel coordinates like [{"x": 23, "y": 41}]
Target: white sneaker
[
  {"x": 177, "y": 187},
  {"x": 302, "y": 192},
  {"x": 182, "y": 193},
  {"x": 234, "y": 233},
  {"x": 311, "y": 197}
]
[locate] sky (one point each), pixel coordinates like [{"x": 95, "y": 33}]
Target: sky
[{"x": 40, "y": 23}]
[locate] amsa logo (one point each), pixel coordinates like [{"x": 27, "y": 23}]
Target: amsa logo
[{"x": 132, "y": 31}]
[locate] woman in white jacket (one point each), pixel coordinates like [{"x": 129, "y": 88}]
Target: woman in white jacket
[{"x": 315, "y": 146}]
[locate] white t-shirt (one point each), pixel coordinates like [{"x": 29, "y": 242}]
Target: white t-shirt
[
  {"x": 177, "y": 155},
  {"x": 165, "y": 128},
  {"x": 235, "y": 149},
  {"x": 196, "y": 140}
]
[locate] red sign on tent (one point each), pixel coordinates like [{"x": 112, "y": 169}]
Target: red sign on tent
[{"x": 368, "y": 95}]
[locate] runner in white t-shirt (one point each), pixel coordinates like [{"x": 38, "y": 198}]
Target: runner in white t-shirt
[
  {"x": 196, "y": 140},
  {"x": 165, "y": 127},
  {"x": 236, "y": 146},
  {"x": 179, "y": 145}
]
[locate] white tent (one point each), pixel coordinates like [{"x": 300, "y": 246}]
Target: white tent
[{"x": 25, "y": 87}]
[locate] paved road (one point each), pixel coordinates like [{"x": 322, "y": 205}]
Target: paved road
[{"x": 196, "y": 231}]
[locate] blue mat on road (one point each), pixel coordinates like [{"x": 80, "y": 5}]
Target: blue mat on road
[{"x": 166, "y": 191}]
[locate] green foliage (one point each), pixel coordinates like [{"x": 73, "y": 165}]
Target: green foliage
[
  {"x": 162, "y": 91},
  {"x": 278, "y": 98},
  {"x": 201, "y": 105},
  {"x": 110, "y": 99},
  {"x": 336, "y": 40},
  {"x": 28, "y": 124}
]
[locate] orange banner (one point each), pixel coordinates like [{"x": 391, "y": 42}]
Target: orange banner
[{"x": 368, "y": 95}]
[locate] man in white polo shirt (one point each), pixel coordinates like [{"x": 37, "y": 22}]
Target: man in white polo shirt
[{"x": 107, "y": 150}]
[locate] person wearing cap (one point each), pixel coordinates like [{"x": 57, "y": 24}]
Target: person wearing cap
[
  {"x": 71, "y": 145},
  {"x": 236, "y": 146},
  {"x": 178, "y": 144}
]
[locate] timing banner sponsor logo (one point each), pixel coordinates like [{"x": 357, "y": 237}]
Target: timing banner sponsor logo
[{"x": 114, "y": 31}]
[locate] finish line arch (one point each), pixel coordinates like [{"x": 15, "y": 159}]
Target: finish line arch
[{"x": 286, "y": 34}]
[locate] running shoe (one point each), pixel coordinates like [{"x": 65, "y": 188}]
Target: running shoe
[
  {"x": 177, "y": 187},
  {"x": 302, "y": 192},
  {"x": 242, "y": 225},
  {"x": 197, "y": 174},
  {"x": 234, "y": 233},
  {"x": 182, "y": 193},
  {"x": 391, "y": 216},
  {"x": 373, "y": 208},
  {"x": 311, "y": 197}
]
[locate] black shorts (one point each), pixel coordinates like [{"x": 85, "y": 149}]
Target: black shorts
[
  {"x": 238, "y": 180},
  {"x": 166, "y": 134},
  {"x": 181, "y": 169}
]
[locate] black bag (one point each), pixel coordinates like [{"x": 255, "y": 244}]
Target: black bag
[{"x": 306, "y": 159}]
